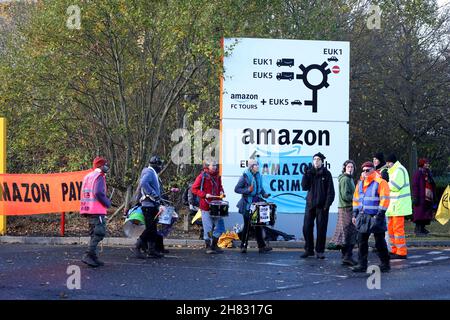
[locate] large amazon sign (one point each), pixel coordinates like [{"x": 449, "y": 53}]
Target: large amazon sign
[
  {"x": 282, "y": 101},
  {"x": 26, "y": 194}
]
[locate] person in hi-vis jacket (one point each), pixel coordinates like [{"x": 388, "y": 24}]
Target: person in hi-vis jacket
[{"x": 93, "y": 205}]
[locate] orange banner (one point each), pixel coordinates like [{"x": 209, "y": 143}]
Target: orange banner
[{"x": 25, "y": 194}]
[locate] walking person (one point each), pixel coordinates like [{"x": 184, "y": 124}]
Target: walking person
[
  {"x": 208, "y": 186},
  {"x": 318, "y": 181},
  {"x": 423, "y": 197},
  {"x": 94, "y": 205},
  {"x": 251, "y": 189},
  {"x": 149, "y": 190},
  {"x": 370, "y": 202},
  {"x": 399, "y": 206}
]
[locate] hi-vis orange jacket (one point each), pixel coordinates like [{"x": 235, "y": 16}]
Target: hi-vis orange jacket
[{"x": 371, "y": 195}]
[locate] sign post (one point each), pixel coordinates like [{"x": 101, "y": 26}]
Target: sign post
[{"x": 2, "y": 170}]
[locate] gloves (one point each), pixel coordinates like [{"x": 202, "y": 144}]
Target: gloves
[
  {"x": 381, "y": 214},
  {"x": 308, "y": 169}
]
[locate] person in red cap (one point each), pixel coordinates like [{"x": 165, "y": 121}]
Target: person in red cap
[
  {"x": 94, "y": 204},
  {"x": 423, "y": 197},
  {"x": 370, "y": 202}
]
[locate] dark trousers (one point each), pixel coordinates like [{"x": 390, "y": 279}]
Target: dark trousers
[
  {"x": 97, "y": 231},
  {"x": 149, "y": 234},
  {"x": 246, "y": 230},
  {"x": 380, "y": 244},
  {"x": 321, "y": 216}
]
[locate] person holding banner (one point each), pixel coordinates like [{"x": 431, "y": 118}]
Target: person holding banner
[
  {"x": 251, "y": 189},
  {"x": 94, "y": 203},
  {"x": 318, "y": 181},
  {"x": 208, "y": 186}
]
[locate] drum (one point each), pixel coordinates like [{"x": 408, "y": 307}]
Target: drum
[
  {"x": 263, "y": 213},
  {"x": 134, "y": 223},
  {"x": 218, "y": 208},
  {"x": 166, "y": 221},
  {"x": 273, "y": 213},
  {"x": 166, "y": 216}
]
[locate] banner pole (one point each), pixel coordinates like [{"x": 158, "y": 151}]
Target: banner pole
[
  {"x": 63, "y": 223},
  {"x": 2, "y": 170}
]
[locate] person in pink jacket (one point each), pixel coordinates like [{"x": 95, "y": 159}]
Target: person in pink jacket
[{"x": 94, "y": 205}]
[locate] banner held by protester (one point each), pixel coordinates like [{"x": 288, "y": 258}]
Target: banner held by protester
[{"x": 27, "y": 194}]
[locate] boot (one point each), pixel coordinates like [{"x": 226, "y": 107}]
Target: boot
[
  {"x": 307, "y": 254},
  {"x": 152, "y": 253},
  {"x": 417, "y": 230},
  {"x": 347, "y": 253},
  {"x": 359, "y": 268},
  {"x": 99, "y": 262},
  {"x": 385, "y": 267},
  {"x": 89, "y": 259},
  {"x": 214, "y": 245},
  {"x": 209, "y": 249},
  {"x": 137, "y": 249},
  {"x": 160, "y": 245},
  {"x": 265, "y": 249}
]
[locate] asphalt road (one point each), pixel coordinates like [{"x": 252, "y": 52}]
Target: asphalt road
[{"x": 41, "y": 272}]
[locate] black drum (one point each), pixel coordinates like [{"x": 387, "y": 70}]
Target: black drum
[
  {"x": 218, "y": 208},
  {"x": 263, "y": 213}
]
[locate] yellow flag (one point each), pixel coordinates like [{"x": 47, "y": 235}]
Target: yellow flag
[
  {"x": 443, "y": 211},
  {"x": 197, "y": 216}
]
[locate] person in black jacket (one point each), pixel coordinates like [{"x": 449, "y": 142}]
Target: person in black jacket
[{"x": 318, "y": 182}]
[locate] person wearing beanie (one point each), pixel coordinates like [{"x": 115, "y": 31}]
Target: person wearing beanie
[
  {"x": 149, "y": 194},
  {"x": 423, "y": 197},
  {"x": 399, "y": 206},
  {"x": 208, "y": 187},
  {"x": 370, "y": 202},
  {"x": 380, "y": 165},
  {"x": 317, "y": 180},
  {"x": 93, "y": 205},
  {"x": 251, "y": 188}
]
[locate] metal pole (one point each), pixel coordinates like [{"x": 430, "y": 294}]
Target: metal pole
[
  {"x": 2, "y": 170},
  {"x": 63, "y": 224}
]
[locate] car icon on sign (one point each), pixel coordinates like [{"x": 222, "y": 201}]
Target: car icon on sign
[
  {"x": 285, "y": 76},
  {"x": 285, "y": 62},
  {"x": 333, "y": 58},
  {"x": 296, "y": 102}
]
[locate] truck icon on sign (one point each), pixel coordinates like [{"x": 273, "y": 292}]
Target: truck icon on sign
[
  {"x": 285, "y": 76},
  {"x": 285, "y": 62}
]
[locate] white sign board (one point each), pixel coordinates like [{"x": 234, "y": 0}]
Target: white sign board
[
  {"x": 282, "y": 102},
  {"x": 286, "y": 80}
]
